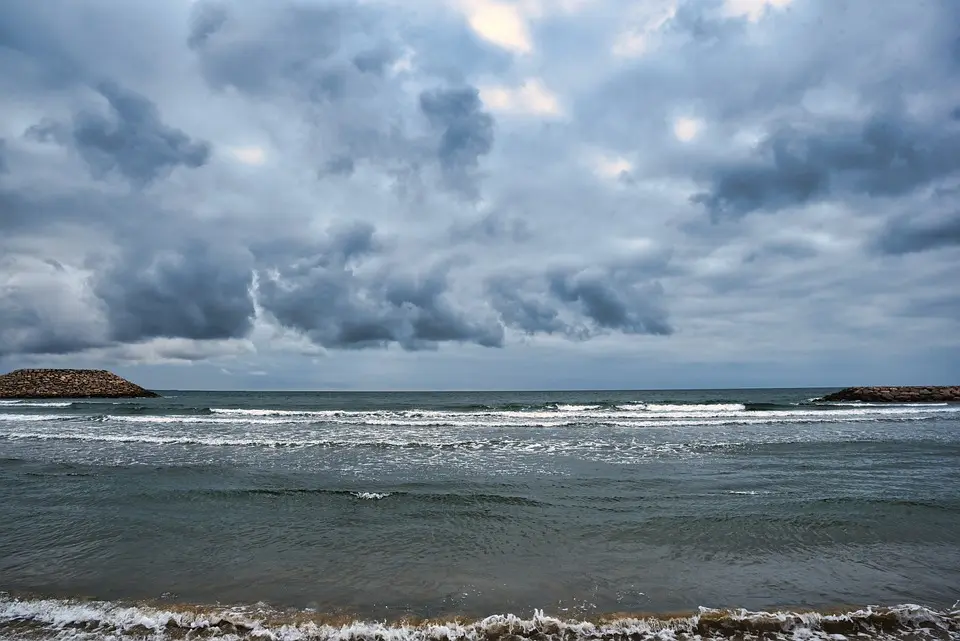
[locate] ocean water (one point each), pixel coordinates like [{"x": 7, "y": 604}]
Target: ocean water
[{"x": 562, "y": 515}]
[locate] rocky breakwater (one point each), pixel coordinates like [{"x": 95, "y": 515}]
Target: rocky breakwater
[
  {"x": 940, "y": 394},
  {"x": 69, "y": 383}
]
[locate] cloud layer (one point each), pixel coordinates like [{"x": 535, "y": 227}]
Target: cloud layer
[{"x": 543, "y": 194}]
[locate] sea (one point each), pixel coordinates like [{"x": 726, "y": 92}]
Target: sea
[{"x": 481, "y": 516}]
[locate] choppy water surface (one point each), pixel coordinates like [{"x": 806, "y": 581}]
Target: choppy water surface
[{"x": 545, "y": 515}]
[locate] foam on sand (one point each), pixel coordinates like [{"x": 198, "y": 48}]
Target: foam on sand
[{"x": 65, "y": 619}]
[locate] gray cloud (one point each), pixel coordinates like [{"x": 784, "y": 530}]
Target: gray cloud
[
  {"x": 330, "y": 64},
  {"x": 910, "y": 235},
  {"x": 632, "y": 310},
  {"x": 447, "y": 48},
  {"x": 23, "y": 30},
  {"x": 207, "y": 19},
  {"x": 493, "y": 227},
  {"x": 888, "y": 155},
  {"x": 375, "y": 60},
  {"x": 531, "y": 312},
  {"x": 26, "y": 328},
  {"x": 258, "y": 46},
  {"x": 133, "y": 140},
  {"x": 193, "y": 292},
  {"x": 792, "y": 249},
  {"x": 466, "y": 130},
  {"x": 581, "y": 303},
  {"x": 42, "y": 310},
  {"x": 338, "y": 301},
  {"x": 339, "y": 166}
]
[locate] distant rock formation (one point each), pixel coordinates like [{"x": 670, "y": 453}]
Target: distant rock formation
[
  {"x": 69, "y": 383},
  {"x": 897, "y": 394}
]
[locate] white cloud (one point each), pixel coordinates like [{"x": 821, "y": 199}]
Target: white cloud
[
  {"x": 249, "y": 155},
  {"x": 609, "y": 166},
  {"x": 500, "y": 23},
  {"x": 752, "y": 9},
  {"x": 532, "y": 98},
  {"x": 686, "y": 129},
  {"x": 506, "y": 23},
  {"x": 176, "y": 350}
]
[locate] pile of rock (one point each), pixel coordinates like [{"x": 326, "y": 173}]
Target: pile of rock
[
  {"x": 943, "y": 394},
  {"x": 68, "y": 383}
]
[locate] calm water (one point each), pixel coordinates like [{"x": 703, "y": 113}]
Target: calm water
[{"x": 384, "y": 506}]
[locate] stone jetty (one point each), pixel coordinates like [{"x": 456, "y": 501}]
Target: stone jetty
[
  {"x": 69, "y": 383},
  {"x": 898, "y": 394}
]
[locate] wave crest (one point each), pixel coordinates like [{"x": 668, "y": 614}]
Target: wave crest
[{"x": 63, "y": 619}]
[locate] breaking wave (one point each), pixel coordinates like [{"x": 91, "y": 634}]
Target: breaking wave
[
  {"x": 94, "y": 620},
  {"x": 9, "y": 403},
  {"x": 519, "y": 445},
  {"x": 371, "y": 496},
  {"x": 624, "y": 415}
]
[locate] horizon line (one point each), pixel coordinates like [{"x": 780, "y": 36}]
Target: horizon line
[{"x": 526, "y": 390}]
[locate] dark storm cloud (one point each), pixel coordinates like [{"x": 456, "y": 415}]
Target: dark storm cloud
[
  {"x": 26, "y": 331},
  {"x": 351, "y": 294},
  {"x": 135, "y": 141},
  {"x": 432, "y": 317},
  {"x": 132, "y": 140},
  {"x": 192, "y": 292},
  {"x": 3, "y": 156},
  {"x": 581, "y": 303},
  {"x": 631, "y": 310},
  {"x": 888, "y": 155},
  {"x": 338, "y": 301},
  {"x": 910, "y": 235},
  {"x": 527, "y": 310},
  {"x": 466, "y": 130}
]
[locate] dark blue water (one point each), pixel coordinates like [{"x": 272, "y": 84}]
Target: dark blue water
[{"x": 384, "y": 506}]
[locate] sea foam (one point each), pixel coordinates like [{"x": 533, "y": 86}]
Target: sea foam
[{"x": 62, "y": 619}]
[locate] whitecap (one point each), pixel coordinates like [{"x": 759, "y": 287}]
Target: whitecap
[{"x": 371, "y": 496}]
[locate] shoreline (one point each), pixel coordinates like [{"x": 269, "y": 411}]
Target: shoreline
[{"x": 174, "y": 618}]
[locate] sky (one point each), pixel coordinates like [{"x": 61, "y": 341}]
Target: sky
[{"x": 482, "y": 194}]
